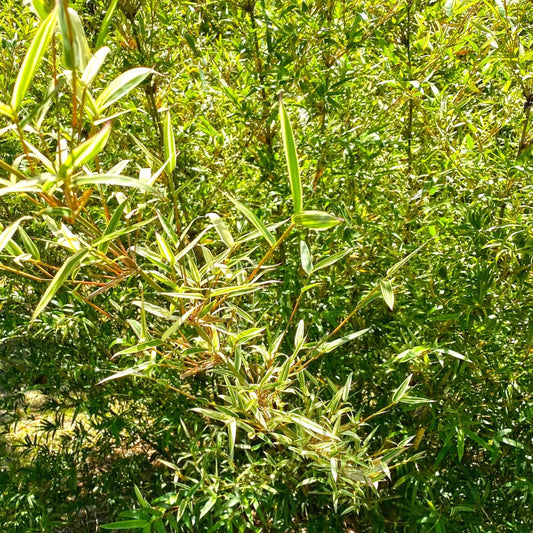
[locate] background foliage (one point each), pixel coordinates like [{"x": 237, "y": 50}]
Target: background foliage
[{"x": 188, "y": 282}]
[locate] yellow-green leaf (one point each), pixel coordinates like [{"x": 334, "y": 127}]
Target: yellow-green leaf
[
  {"x": 254, "y": 220},
  {"x": 61, "y": 276},
  {"x": 33, "y": 59},
  {"x": 106, "y": 23},
  {"x": 94, "y": 65},
  {"x": 292, "y": 158},
  {"x": 317, "y": 220},
  {"x": 387, "y": 292},
  {"x": 121, "y": 86},
  {"x": 86, "y": 151},
  {"x": 305, "y": 258},
  {"x": 169, "y": 144}
]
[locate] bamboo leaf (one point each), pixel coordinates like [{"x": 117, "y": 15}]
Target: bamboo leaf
[
  {"x": 75, "y": 47},
  {"x": 29, "y": 245},
  {"x": 305, "y": 258},
  {"x": 86, "y": 151},
  {"x": 119, "y": 233},
  {"x": 140, "y": 347},
  {"x": 331, "y": 260},
  {"x": 121, "y": 86},
  {"x": 41, "y": 8},
  {"x": 401, "y": 391},
  {"x": 330, "y": 346},
  {"x": 387, "y": 292},
  {"x": 9, "y": 231},
  {"x": 94, "y": 65},
  {"x": 136, "y": 370},
  {"x": 33, "y": 59},
  {"x": 112, "y": 226},
  {"x": 221, "y": 229},
  {"x": 119, "y": 181},
  {"x": 6, "y": 110},
  {"x": 104, "y": 30},
  {"x": 254, "y": 220},
  {"x": 169, "y": 144},
  {"x": 164, "y": 249},
  {"x": 126, "y": 524},
  {"x": 61, "y": 276},
  {"x": 317, "y": 220},
  {"x": 292, "y": 158}
]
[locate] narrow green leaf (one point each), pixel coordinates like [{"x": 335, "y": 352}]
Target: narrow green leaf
[
  {"x": 401, "y": 391},
  {"x": 387, "y": 292},
  {"x": 41, "y": 8},
  {"x": 140, "y": 497},
  {"x": 305, "y": 258},
  {"x": 164, "y": 249},
  {"x": 141, "y": 347},
  {"x": 119, "y": 181},
  {"x": 453, "y": 353},
  {"x": 292, "y": 158},
  {"x": 75, "y": 47},
  {"x": 126, "y": 524},
  {"x": 403, "y": 261},
  {"x": 331, "y": 260},
  {"x": 137, "y": 370},
  {"x": 33, "y": 59},
  {"x": 29, "y": 245},
  {"x": 238, "y": 290},
  {"x": 221, "y": 229},
  {"x": 299, "y": 335},
  {"x": 310, "y": 427},
  {"x": 86, "y": 151},
  {"x": 169, "y": 144},
  {"x": 254, "y": 220},
  {"x": 94, "y": 65},
  {"x": 460, "y": 444},
  {"x": 328, "y": 347},
  {"x": 61, "y": 276},
  {"x": 112, "y": 226},
  {"x": 317, "y": 220},
  {"x": 119, "y": 233},
  {"x": 6, "y": 110},
  {"x": 121, "y": 86},
  {"x": 169, "y": 231},
  {"x": 208, "y": 506},
  {"x": 9, "y": 231},
  {"x": 104, "y": 30},
  {"x": 232, "y": 437}
]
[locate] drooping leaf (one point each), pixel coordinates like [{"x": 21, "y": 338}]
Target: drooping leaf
[{"x": 112, "y": 226}]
